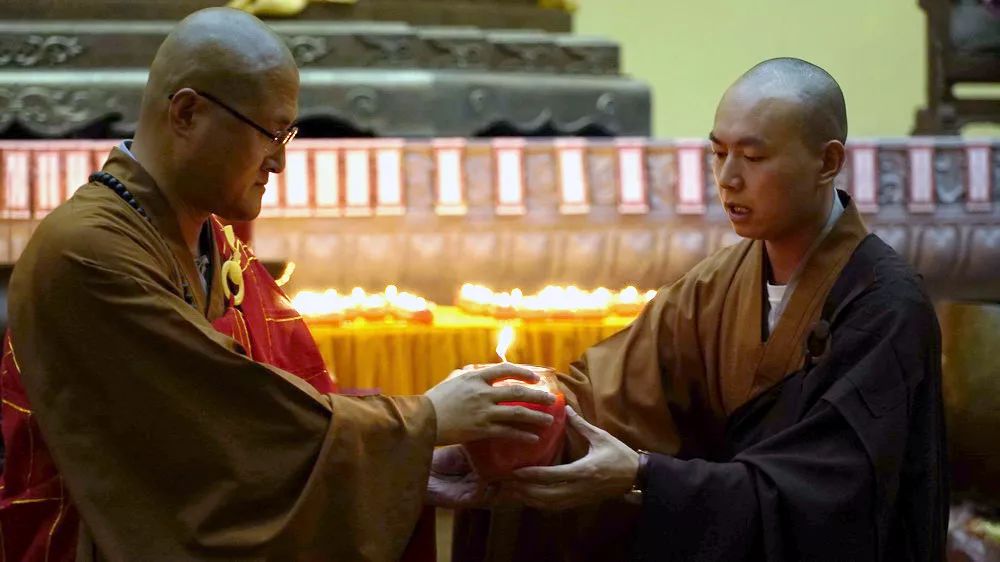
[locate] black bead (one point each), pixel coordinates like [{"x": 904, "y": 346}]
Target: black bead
[{"x": 119, "y": 188}]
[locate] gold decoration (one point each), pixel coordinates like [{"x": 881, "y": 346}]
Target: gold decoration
[
  {"x": 279, "y": 8},
  {"x": 565, "y": 5},
  {"x": 232, "y": 270}
]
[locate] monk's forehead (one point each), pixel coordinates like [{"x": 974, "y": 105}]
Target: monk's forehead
[{"x": 774, "y": 116}]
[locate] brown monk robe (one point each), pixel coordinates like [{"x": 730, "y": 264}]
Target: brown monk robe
[
  {"x": 257, "y": 463},
  {"x": 172, "y": 443},
  {"x": 38, "y": 520},
  {"x": 756, "y": 451}
]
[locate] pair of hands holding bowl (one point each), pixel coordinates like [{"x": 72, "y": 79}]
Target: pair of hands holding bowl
[{"x": 516, "y": 468}]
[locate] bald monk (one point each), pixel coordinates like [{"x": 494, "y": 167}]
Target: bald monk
[
  {"x": 165, "y": 435},
  {"x": 781, "y": 401}
]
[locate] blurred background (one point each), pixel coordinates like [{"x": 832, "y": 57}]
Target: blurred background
[{"x": 469, "y": 165}]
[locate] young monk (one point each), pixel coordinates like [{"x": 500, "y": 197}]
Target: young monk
[{"x": 781, "y": 401}]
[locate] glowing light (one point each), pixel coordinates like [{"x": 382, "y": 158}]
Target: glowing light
[
  {"x": 392, "y": 303},
  {"x": 504, "y": 341},
  {"x": 553, "y": 301}
]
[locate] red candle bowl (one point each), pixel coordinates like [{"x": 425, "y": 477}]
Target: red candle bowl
[{"x": 497, "y": 458}]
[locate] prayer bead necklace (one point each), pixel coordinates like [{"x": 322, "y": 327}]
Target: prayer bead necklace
[{"x": 119, "y": 188}]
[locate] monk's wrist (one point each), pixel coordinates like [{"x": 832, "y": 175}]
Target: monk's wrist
[{"x": 634, "y": 495}]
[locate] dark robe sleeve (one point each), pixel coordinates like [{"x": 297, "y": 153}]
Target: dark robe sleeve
[{"x": 857, "y": 477}]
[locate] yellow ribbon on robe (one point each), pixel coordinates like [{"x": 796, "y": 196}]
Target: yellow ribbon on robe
[{"x": 232, "y": 269}]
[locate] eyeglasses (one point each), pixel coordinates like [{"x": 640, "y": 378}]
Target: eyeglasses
[{"x": 280, "y": 138}]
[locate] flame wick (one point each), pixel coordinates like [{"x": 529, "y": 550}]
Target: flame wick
[{"x": 503, "y": 342}]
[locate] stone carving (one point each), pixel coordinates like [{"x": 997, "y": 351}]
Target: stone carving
[
  {"x": 529, "y": 54},
  {"x": 51, "y": 111},
  {"x": 364, "y": 102},
  {"x": 515, "y": 80},
  {"x": 334, "y": 44},
  {"x": 388, "y": 50},
  {"x": 892, "y": 176},
  {"x": 291, "y": 8},
  {"x": 307, "y": 49},
  {"x": 494, "y": 14},
  {"x": 455, "y": 52},
  {"x": 588, "y": 60},
  {"x": 480, "y": 100},
  {"x": 38, "y": 50},
  {"x": 607, "y": 104},
  {"x": 949, "y": 174}
]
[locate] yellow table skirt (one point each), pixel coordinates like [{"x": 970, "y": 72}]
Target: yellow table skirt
[{"x": 401, "y": 358}]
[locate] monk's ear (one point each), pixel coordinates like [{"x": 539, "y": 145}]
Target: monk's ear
[
  {"x": 182, "y": 110},
  {"x": 834, "y": 156}
]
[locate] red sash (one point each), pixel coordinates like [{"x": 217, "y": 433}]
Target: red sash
[
  {"x": 263, "y": 321},
  {"x": 38, "y": 522}
]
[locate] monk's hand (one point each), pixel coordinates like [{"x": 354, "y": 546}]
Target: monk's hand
[
  {"x": 607, "y": 471},
  {"x": 453, "y": 482},
  {"x": 467, "y": 406}
]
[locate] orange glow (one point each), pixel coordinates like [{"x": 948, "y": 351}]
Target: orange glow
[
  {"x": 552, "y": 302},
  {"x": 389, "y": 304}
]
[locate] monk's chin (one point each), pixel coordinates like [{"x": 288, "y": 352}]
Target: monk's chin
[
  {"x": 746, "y": 231},
  {"x": 240, "y": 214}
]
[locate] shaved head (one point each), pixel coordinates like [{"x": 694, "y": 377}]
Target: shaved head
[
  {"x": 822, "y": 111},
  {"x": 222, "y": 89},
  {"x": 222, "y": 51},
  {"x": 778, "y": 143}
]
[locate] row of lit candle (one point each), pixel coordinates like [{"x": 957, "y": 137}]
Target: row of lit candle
[
  {"x": 389, "y": 304},
  {"x": 552, "y": 302}
]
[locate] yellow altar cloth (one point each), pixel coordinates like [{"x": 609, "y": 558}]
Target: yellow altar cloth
[{"x": 401, "y": 358}]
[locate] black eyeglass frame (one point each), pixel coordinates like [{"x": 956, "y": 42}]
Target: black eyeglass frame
[{"x": 281, "y": 138}]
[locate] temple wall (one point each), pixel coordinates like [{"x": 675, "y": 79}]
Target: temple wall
[{"x": 429, "y": 216}]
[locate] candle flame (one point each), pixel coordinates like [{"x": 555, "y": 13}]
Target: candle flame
[
  {"x": 392, "y": 301},
  {"x": 503, "y": 342}
]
